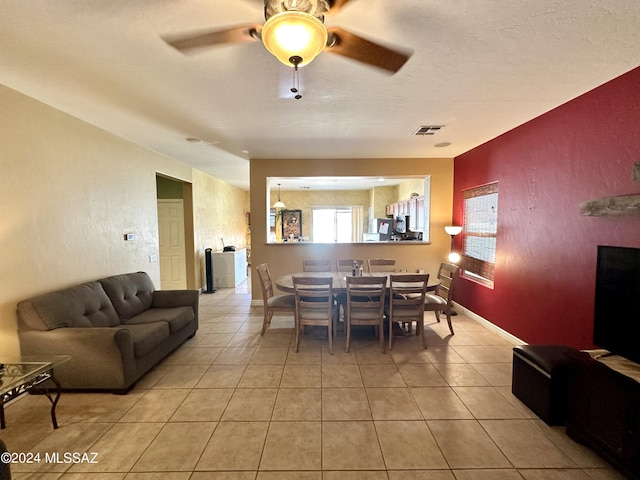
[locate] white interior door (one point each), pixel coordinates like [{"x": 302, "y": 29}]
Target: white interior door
[{"x": 173, "y": 270}]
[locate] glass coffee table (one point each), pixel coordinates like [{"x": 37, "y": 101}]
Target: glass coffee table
[{"x": 19, "y": 375}]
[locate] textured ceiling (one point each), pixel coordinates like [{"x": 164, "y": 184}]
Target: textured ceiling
[{"x": 479, "y": 68}]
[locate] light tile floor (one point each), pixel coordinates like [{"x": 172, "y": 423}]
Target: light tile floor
[{"x": 230, "y": 404}]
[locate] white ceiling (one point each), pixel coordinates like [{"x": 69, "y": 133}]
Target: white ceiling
[{"x": 479, "y": 67}]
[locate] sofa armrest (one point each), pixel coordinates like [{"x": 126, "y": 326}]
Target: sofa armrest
[
  {"x": 100, "y": 356},
  {"x": 176, "y": 298}
]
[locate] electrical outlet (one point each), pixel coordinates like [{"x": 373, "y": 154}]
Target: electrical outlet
[{"x": 153, "y": 258}]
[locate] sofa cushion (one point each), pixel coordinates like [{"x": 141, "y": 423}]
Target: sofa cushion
[
  {"x": 85, "y": 305},
  {"x": 177, "y": 317},
  {"x": 130, "y": 293},
  {"x": 147, "y": 336}
]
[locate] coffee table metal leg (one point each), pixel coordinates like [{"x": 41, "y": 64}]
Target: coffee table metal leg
[{"x": 54, "y": 401}]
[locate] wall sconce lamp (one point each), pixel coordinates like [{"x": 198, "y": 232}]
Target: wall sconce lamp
[
  {"x": 453, "y": 230},
  {"x": 279, "y": 203}
]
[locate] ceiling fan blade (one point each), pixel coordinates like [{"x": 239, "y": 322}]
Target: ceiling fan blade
[
  {"x": 195, "y": 42},
  {"x": 336, "y": 5},
  {"x": 357, "y": 48}
]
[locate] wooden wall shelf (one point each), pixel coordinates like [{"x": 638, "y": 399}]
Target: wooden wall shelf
[{"x": 612, "y": 206}]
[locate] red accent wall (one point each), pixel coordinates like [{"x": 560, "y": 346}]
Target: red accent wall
[{"x": 546, "y": 251}]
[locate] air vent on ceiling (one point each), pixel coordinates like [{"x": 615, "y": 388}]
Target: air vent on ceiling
[{"x": 428, "y": 130}]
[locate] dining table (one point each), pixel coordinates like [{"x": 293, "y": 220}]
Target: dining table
[{"x": 284, "y": 283}]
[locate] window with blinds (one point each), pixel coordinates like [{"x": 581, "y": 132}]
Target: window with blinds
[{"x": 479, "y": 229}]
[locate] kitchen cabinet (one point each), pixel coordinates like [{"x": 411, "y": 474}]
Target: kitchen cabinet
[
  {"x": 419, "y": 214},
  {"x": 388, "y": 211},
  {"x": 412, "y": 212},
  {"x": 414, "y": 207}
]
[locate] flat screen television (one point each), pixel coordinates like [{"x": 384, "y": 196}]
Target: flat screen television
[{"x": 616, "y": 326}]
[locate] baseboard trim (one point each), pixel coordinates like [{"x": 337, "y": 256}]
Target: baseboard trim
[{"x": 486, "y": 323}]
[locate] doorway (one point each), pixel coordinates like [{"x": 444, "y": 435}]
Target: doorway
[
  {"x": 173, "y": 265},
  {"x": 175, "y": 234}
]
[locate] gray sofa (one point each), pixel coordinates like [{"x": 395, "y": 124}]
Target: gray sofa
[{"x": 115, "y": 329}]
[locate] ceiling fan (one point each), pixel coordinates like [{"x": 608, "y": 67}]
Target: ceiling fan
[{"x": 294, "y": 32}]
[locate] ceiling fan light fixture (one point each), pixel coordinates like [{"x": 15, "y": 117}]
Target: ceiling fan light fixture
[{"x": 294, "y": 34}]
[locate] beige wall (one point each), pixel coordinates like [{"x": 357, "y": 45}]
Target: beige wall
[
  {"x": 383, "y": 196},
  {"x": 70, "y": 192},
  {"x": 287, "y": 258},
  {"x": 219, "y": 213},
  {"x": 406, "y": 188}
]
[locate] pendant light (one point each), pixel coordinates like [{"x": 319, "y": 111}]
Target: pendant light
[{"x": 279, "y": 203}]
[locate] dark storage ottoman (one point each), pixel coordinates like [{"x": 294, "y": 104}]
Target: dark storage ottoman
[{"x": 541, "y": 380}]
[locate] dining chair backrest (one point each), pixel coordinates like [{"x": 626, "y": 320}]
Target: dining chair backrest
[
  {"x": 281, "y": 304},
  {"x": 407, "y": 290},
  {"x": 314, "y": 295},
  {"x": 265, "y": 281},
  {"x": 314, "y": 304},
  {"x": 447, "y": 276},
  {"x": 366, "y": 293},
  {"x": 345, "y": 265},
  {"x": 442, "y": 299},
  {"x": 406, "y": 301},
  {"x": 387, "y": 265},
  {"x": 365, "y": 304},
  {"x": 316, "y": 265}
]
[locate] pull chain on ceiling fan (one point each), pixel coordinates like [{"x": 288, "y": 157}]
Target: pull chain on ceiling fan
[
  {"x": 296, "y": 78},
  {"x": 296, "y": 29}
]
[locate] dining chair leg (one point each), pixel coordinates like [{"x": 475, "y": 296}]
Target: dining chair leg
[
  {"x": 448, "y": 312},
  {"x": 423, "y": 337},
  {"x": 380, "y": 332},
  {"x": 390, "y": 333},
  {"x": 330, "y": 336},
  {"x": 297, "y": 326},
  {"x": 348, "y": 327},
  {"x": 266, "y": 321},
  {"x": 264, "y": 324}
]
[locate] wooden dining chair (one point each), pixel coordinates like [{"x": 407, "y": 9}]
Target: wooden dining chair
[
  {"x": 317, "y": 265},
  {"x": 387, "y": 265},
  {"x": 284, "y": 303},
  {"x": 345, "y": 265},
  {"x": 365, "y": 305},
  {"x": 406, "y": 302},
  {"x": 442, "y": 299},
  {"x": 314, "y": 305}
]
